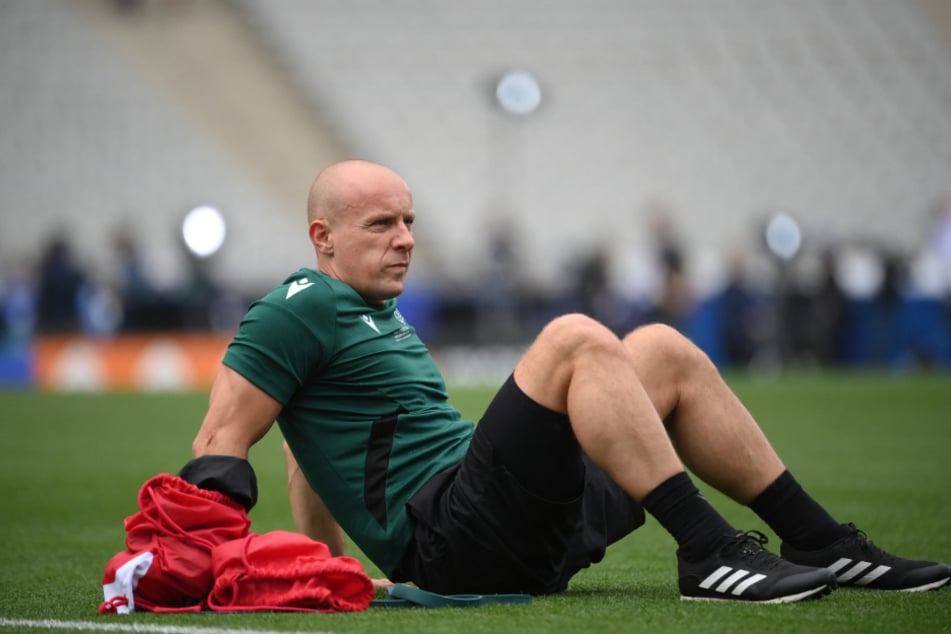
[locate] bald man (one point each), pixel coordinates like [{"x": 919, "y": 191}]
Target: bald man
[{"x": 587, "y": 433}]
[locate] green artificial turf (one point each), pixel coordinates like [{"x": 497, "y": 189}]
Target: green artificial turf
[{"x": 874, "y": 449}]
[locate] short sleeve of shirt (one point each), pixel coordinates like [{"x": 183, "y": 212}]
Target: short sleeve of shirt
[{"x": 276, "y": 348}]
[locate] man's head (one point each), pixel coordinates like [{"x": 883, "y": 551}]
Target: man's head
[{"x": 360, "y": 217}]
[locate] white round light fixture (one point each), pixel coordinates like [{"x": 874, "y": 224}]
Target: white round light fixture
[
  {"x": 783, "y": 236},
  {"x": 518, "y": 92},
  {"x": 204, "y": 231}
]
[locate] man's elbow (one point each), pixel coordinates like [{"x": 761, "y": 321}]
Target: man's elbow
[
  {"x": 200, "y": 446},
  {"x": 212, "y": 443}
]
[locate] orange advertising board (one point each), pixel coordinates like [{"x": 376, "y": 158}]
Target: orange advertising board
[{"x": 139, "y": 362}]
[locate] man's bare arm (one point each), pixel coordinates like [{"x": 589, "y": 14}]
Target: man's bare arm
[
  {"x": 313, "y": 518},
  {"x": 239, "y": 414},
  {"x": 311, "y": 515}
]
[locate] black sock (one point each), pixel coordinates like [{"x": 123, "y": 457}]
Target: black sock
[
  {"x": 688, "y": 517},
  {"x": 795, "y": 516}
]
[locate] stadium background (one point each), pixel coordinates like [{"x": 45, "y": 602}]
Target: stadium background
[{"x": 667, "y": 137}]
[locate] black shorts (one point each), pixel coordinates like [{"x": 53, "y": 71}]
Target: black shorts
[{"x": 522, "y": 512}]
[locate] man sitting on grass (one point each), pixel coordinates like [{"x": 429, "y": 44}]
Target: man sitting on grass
[{"x": 587, "y": 433}]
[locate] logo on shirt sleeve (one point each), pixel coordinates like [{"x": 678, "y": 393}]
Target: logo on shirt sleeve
[
  {"x": 369, "y": 322},
  {"x": 297, "y": 286}
]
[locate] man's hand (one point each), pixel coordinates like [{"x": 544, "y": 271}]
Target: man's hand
[{"x": 380, "y": 586}]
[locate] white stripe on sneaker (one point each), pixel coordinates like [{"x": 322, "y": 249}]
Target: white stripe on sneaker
[
  {"x": 854, "y": 571},
  {"x": 740, "y": 580},
  {"x": 714, "y": 577},
  {"x": 842, "y": 563},
  {"x": 741, "y": 588},
  {"x": 729, "y": 581},
  {"x": 846, "y": 571},
  {"x": 872, "y": 576}
]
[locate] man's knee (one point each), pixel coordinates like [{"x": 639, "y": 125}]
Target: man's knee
[
  {"x": 659, "y": 345},
  {"x": 656, "y": 334},
  {"x": 548, "y": 368},
  {"x": 576, "y": 333}
]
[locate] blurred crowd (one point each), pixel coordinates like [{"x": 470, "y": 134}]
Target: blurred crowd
[
  {"x": 58, "y": 294},
  {"x": 842, "y": 304}
]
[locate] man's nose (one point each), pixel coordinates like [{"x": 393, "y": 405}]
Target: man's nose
[{"x": 404, "y": 238}]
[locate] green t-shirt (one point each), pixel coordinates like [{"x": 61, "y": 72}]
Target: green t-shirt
[{"x": 365, "y": 407}]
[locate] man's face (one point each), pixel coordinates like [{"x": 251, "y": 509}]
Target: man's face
[{"x": 372, "y": 243}]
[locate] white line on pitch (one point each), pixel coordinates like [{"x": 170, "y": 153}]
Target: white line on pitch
[{"x": 144, "y": 628}]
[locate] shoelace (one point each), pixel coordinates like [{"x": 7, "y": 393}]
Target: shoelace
[
  {"x": 752, "y": 541},
  {"x": 858, "y": 534},
  {"x": 866, "y": 544},
  {"x": 750, "y": 545}
]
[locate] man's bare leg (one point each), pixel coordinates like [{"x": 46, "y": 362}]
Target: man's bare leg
[
  {"x": 711, "y": 430},
  {"x": 718, "y": 439},
  {"x": 578, "y": 367}
]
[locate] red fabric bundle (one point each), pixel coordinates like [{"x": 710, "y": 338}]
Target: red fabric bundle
[
  {"x": 286, "y": 571},
  {"x": 188, "y": 549},
  {"x": 176, "y": 528}
]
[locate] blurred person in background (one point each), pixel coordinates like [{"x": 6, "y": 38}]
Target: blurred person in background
[
  {"x": 137, "y": 294},
  {"x": 498, "y": 311},
  {"x": 939, "y": 244},
  {"x": 814, "y": 319},
  {"x": 939, "y": 238},
  {"x": 60, "y": 283},
  {"x": 18, "y": 293},
  {"x": 675, "y": 298},
  {"x": 594, "y": 293},
  {"x": 745, "y": 324}
]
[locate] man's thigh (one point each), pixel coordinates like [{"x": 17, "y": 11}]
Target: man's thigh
[{"x": 522, "y": 512}]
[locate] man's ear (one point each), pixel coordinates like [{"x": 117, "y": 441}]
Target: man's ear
[{"x": 321, "y": 236}]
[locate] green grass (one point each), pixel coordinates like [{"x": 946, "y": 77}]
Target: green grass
[{"x": 874, "y": 449}]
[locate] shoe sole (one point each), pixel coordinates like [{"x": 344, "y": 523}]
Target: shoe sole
[
  {"x": 928, "y": 586},
  {"x": 808, "y": 595},
  {"x": 934, "y": 585}
]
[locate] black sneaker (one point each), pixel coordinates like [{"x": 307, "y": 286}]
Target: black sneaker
[
  {"x": 745, "y": 571},
  {"x": 858, "y": 563}
]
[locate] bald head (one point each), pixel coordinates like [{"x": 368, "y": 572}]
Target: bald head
[
  {"x": 360, "y": 218},
  {"x": 348, "y": 184}
]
